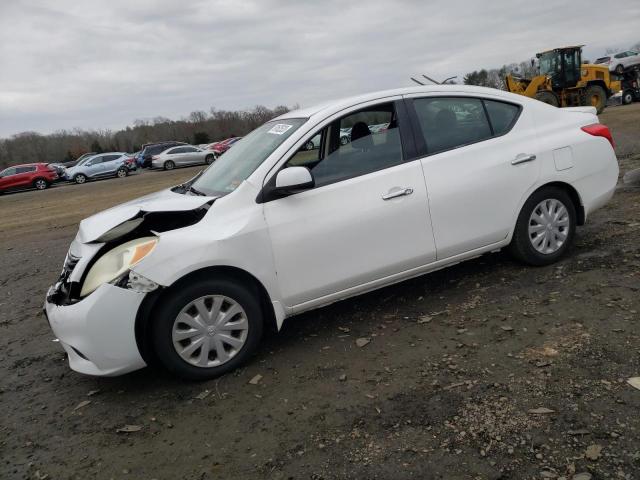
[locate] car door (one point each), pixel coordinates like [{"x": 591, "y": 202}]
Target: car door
[
  {"x": 94, "y": 168},
  {"x": 366, "y": 219},
  {"x": 479, "y": 159},
  {"x": 192, "y": 155},
  {"x": 176, "y": 155},
  {"x": 7, "y": 181},
  {"x": 111, "y": 163},
  {"x": 631, "y": 58}
]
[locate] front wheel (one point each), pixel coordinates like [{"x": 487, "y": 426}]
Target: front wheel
[
  {"x": 80, "y": 179},
  {"x": 122, "y": 172},
  {"x": 40, "y": 184},
  {"x": 207, "y": 329},
  {"x": 545, "y": 227},
  {"x": 209, "y": 159},
  {"x": 620, "y": 69}
]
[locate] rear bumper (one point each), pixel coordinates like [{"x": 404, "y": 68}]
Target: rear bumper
[{"x": 98, "y": 333}]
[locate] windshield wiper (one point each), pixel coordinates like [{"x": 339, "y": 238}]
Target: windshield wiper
[{"x": 195, "y": 191}]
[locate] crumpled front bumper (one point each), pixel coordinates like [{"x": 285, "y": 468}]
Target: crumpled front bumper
[{"x": 98, "y": 332}]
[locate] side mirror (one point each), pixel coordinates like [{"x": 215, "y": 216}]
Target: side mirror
[{"x": 293, "y": 179}]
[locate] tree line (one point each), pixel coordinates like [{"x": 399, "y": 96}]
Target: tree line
[{"x": 199, "y": 127}]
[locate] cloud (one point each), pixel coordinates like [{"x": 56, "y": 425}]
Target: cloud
[{"x": 102, "y": 64}]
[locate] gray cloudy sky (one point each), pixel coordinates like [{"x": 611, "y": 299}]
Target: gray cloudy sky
[{"x": 102, "y": 64}]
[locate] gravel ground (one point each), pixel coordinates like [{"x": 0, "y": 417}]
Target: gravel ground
[{"x": 488, "y": 369}]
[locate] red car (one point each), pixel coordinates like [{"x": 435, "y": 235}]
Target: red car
[
  {"x": 221, "y": 147},
  {"x": 36, "y": 175}
]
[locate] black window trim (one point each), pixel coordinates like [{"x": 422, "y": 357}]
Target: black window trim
[
  {"x": 408, "y": 149},
  {"x": 422, "y": 146}
]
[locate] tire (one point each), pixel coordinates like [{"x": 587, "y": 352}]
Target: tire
[
  {"x": 595, "y": 96},
  {"x": 80, "y": 178},
  {"x": 308, "y": 146},
  {"x": 177, "y": 304},
  {"x": 523, "y": 243},
  {"x": 344, "y": 140},
  {"x": 169, "y": 165},
  {"x": 40, "y": 184},
  {"x": 619, "y": 69},
  {"x": 550, "y": 98},
  {"x": 209, "y": 159},
  {"x": 627, "y": 97},
  {"x": 122, "y": 172}
]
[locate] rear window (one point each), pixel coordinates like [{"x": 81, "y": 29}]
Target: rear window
[
  {"x": 25, "y": 169},
  {"x": 502, "y": 116},
  {"x": 448, "y": 123}
]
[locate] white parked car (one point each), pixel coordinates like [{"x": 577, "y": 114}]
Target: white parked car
[
  {"x": 182, "y": 156},
  {"x": 191, "y": 276},
  {"x": 618, "y": 62}
]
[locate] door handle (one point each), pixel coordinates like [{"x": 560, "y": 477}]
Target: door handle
[
  {"x": 523, "y": 158},
  {"x": 397, "y": 192}
]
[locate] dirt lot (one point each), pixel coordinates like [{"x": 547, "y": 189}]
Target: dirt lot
[{"x": 458, "y": 363}]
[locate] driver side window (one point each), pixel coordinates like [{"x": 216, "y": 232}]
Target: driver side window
[{"x": 359, "y": 143}]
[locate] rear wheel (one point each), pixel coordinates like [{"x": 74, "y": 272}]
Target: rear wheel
[
  {"x": 548, "y": 97},
  {"x": 595, "y": 96},
  {"x": 122, "y": 172},
  {"x": 209, "y": 159},
  {"x": 545, "y": 227},
  {"x": 40, "y": 183},
  {"x": 80, "y": 178},
  {"x": 207, "y": 329},
  {"x": 169, "y": 165},
  {"x": 620, "y": 69},
  {"x": 627, "y": 97}
]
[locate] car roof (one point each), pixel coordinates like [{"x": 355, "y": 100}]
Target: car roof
[{"x": 330, "y": 107}]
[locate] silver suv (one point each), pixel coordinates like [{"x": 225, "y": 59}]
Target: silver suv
[{"x": 110, "y": 164}]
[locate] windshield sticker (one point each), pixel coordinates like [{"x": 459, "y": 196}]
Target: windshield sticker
[{"x": 280, "y": 128}]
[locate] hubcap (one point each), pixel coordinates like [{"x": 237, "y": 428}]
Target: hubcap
[
  {"x": 549, "y": 226},
  {"x": 210, "y": 331},
  {"x": 122, "y": 173},
  {"x": 40, "y": 184}
]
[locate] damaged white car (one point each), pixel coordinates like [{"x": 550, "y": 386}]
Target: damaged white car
[{"x": 189, "y": 277}]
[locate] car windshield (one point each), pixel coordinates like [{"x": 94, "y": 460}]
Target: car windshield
[{"x": 235, "y": 166}]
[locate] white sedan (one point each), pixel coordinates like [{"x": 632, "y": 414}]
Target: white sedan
[
  {"x": 182, "y": 156},
  {"x": 191, "y": 276}
]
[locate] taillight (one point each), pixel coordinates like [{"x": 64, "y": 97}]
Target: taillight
[{"x": 599, "y": 130}]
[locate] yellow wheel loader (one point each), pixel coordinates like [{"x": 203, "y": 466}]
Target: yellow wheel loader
[{"x": 564, "y": 81}]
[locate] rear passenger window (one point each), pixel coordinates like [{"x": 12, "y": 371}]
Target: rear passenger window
[
  {"x": 502, "y": 116},
  {"x": 448, "y": 123}
]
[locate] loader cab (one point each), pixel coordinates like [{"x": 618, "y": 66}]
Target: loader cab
[{"x": 562, "y": 66}]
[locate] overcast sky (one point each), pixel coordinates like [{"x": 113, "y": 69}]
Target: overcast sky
[{"x": 101, "y": 64}]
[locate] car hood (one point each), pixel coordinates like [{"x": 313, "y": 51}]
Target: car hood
[{"x": 94, "y": 227}]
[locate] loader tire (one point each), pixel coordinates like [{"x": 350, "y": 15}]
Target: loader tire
[
  {"x": 595, "y": 96},
  {"x": 548, "y": 97}
]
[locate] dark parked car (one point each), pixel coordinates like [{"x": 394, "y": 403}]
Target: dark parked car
[
  {"x": 36, "y": 175},
  {"x": 151, "y": 149}
]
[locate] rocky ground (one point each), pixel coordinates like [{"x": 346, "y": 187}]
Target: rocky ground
[{"x": 488, "y": 369}]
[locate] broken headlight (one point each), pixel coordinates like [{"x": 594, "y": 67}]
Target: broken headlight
[{"x": 116, "y": 262}]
